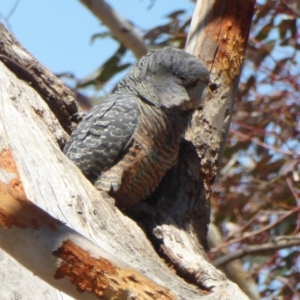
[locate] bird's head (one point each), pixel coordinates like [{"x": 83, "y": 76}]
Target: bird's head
[{"x": 171, "y": 79}]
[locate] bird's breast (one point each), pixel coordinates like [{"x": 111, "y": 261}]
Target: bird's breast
[{"x": 152, "y": 152}]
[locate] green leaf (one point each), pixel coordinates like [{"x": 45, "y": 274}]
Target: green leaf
[
  {"x": 265, "y": 30},
  {"x": 175, "y": 14},
  {"x": 286, "y": 25},
  {"x": 109, "y": 69},
  {"x": 100, "y": 35}
]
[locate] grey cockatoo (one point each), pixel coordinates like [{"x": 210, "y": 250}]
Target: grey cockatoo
[{"x": 126, "y": 144}]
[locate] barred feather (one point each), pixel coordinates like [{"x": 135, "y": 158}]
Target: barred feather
[
  {"x": 153, "y": 152},
  {"x": 128, "y": 142}
]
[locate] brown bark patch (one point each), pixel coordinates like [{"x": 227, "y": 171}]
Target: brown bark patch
[
  {"x": 7, "y": 163},
  {"x": 103, "y": 278},
  {"x": 230, "y": 32},
  {"x": 17, "y": 210}
]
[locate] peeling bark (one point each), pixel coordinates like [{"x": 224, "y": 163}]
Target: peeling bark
[
  {"x": 60, "y": 99},
  {"x": 177, "y": 222},
  {"x": 175, "y": 218},
  {"x": 54, "y": 253},
  {"x": 33, "y": 167}
]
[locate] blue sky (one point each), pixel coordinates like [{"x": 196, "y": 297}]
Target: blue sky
[{"x": 58, "y": 32}]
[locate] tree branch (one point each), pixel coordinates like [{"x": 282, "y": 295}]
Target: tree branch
[
  {"x": 256, "y": 232},
  {"x": 178, "y": 228},
  {"x": 60, "y": 99},
  {"x": 234, "y": 270},
  {"x": 32, "y": 164},
  {"x": 178, "y": 225},
  {"x": 279, "y": 243},
  {"x": 64, "y": 258},
  {"x": 119, "y": 27}
]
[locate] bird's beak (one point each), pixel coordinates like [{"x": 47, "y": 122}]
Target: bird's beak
[{"x": 198, "y": 93}]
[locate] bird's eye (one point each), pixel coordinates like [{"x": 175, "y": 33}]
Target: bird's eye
[{"x": 182, "y": 78}]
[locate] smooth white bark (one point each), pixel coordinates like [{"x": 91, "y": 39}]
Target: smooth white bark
[{"x": 121, "y": 29}]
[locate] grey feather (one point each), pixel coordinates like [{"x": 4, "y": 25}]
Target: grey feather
[
  {"x": 127, "y": 143},
  {"x": 99, "y": 139}
]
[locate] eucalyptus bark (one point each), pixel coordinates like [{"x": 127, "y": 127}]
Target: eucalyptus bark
[
  {"x": 175, "y": 218},
  {"x": 218, "y": 35},
  {"x": 60, "y": 98}
]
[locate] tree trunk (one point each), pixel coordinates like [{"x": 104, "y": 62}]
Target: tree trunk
[{"x": 101, "y": 252}]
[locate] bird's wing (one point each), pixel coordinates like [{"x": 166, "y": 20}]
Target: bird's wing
[{"x": 102, "y": 136}]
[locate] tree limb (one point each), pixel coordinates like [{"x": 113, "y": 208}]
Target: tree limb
[
  {"x": 248, "y": 235},
  {"x": 119, "y": 27},
  {"x": 279, "y": 243},
  {"x": 32, "y": 164},
  {"x": 64, "y": 258},
  {"x": 234, "y": 270},
  {"x": 177, "y": 223},
  {"x": 60, "y": 99},
  {"x": 218, "y": 35}
]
